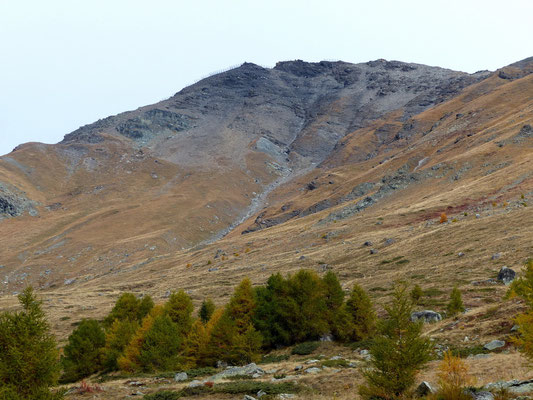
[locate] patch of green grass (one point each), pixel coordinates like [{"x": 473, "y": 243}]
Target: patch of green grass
[
  {"x": 402, "y": 262},
  {"x": 464, "y": 352},
  {"x": 398, "y": 258},
  {"x": 163, "y": 395},
  {"x": 305, "y": 348},
  {"x": 273, "y": 358},
  {"x": 335, "y": 363},
  {"x": 251, "y": 387},
  {"x": 205, "y": 371},
  {"x": 433, "y": 292},
  {"x": 378, "y": 289}
]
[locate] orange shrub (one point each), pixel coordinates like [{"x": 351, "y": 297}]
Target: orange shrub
[{"x": 443, "y": 218}]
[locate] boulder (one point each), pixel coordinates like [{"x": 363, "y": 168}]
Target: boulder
[
  {"x": 514, "y": 386},
  {"x": 250, "y": 370},
  {"x": 195, "y": 383},
  {"x": 424, "y": 389},
  {"x": 373, "y": 251},
  {"x": 248, "y": 397},
  {"x": 427, "y": 316},
  {"x": 181, "y": 376},
  {"x": 367, "y": 243},
  {"x": 506, "y": 275},
  {"x": 493, "y": 345},
  {"x": 313, "y": 370}
]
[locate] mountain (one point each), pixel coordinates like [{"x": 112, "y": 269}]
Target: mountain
[{"x": 255, "y": 170}]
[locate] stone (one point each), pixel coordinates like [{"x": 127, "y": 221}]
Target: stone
[
  {"x": 478, "y": 216},
  {"x": 506, "y": 275},
  {"x": 514, "y": 386},
  {"x": 327, "y": 338},
  {"x": 427, "y": 316},
  {"x": 389, "y": 241},
  {"x": 364, "y": 352},
  {"x": 250, "y": 370},
  {"x": 482, "y": 395},
  {"x": 496, "y": 256},
  {"x": 368, "y": 243},
  {"x": 181, "y": 376},
  {"x": 248, "y": 397},
  {"x": 424, "y": 389},
  {"x": 494, "y": 344},
  {"x": 334, "y": 358},
  {"x": 373, "y": 251},
  {"x": 461, "y": 254},
  {"x": 313, "y": 361},
  {"x": 261, "y": 393},
  {"x": 298, "y": 367},
  {"x": 195, "y": 383},
  {"x": 313, "y": 370}
]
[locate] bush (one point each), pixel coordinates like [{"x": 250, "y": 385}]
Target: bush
[
  {"x": 397, "y": 352},
  {"x": 273, "y": 358},
  {"x": 29, "y": 361},
  {"x": 416, "y": 294},
  {"x": 443, "y": 218},
  {"x": 455, "y": 305},
  {"x": 306, "y": 348},
  {"x": 163, "y": 395},
  {"x": 83, "y": 354}
]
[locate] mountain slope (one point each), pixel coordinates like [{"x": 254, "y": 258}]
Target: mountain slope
[{"x": 187, "y": 170}]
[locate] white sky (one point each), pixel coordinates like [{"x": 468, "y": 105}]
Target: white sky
[{"x": 66, "y": 63}]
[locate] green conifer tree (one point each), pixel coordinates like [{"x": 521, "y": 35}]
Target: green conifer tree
[
  {"x": 362, "y": 317},
  {"x": 179, "y": 308},
  {"x": 455, "y": 305},
  {"x": 29, "y": 361},
  {"x": 83, "y": 355},
  {"x": 416, "y": 294},
  {"x": 206, "y": 310},
  {"x": 397, "y": 352},
  {"x": 127, "y": 307},
  {"x": 334, "y": 298},
  {"x": 161, "y": 346}
]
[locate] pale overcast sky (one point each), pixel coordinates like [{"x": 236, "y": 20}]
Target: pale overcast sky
[{"x": 66, "y": 63}]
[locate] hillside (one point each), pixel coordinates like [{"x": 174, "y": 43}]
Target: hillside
[{"x": 323, "y": 166}]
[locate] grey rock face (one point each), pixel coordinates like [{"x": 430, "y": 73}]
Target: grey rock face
[
  {"x": 14, "y": 203},
  {"x": 494, "y": 344},
  {"x": 506, "y": 275},
  {"x": 426, "y": 316}
]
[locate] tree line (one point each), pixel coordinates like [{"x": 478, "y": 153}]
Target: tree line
[{"x": 140, "y": 336}]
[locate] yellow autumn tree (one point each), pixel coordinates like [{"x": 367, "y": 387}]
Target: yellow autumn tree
[
  {"x": 130, "y": 361},
  {"x": 453, "y": 378}
]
